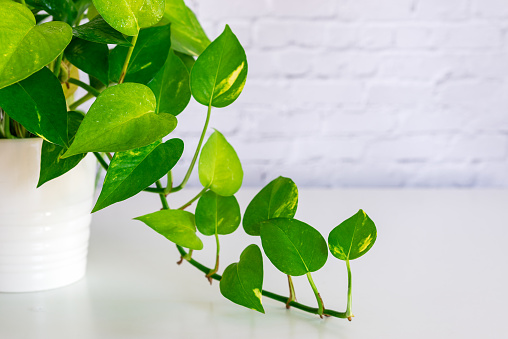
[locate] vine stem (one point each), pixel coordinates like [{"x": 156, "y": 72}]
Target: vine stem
[
  {"x": 196, "y": 153},
  {"x": 216, "y": 268},
  {"x": 169, "y": 185},
  {"x": 81, "y": 101},
  {"x": 184, "y": 206},
  {"x": 349, "y": 314},
  {"x": 87, "y": 87},
  {"x": 58, "y": 65},
  {"x": 7, "y": 126},
  {"x": 127, "y": 59},
  {"x": 101, "y": 160},
  {"x": 268, "y": 294},
  {"x": 321, "y": 307},
  {"x": 164, "y": 201}
]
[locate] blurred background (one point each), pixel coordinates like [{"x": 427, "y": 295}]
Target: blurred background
[{"x": 364, "y": 93}]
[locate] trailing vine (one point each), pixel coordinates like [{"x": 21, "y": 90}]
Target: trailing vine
[{"x": 161, "y": 59}]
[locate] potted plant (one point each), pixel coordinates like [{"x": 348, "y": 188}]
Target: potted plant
[{"x": 160, "y": 59}]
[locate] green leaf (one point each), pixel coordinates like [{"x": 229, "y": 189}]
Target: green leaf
[
  {"x": 52, "y": 166},
  {"x": 242, "y": 282},
  {"x": 61, "y": 10},
  {"x": 219, "y": 74},
  {"x": 98, "y": 30},
  {"x": 38, "y": 103},
  {"x": 217, "y": 212},
  {"x": 148, "y": 57},
  {"x": 132, "y": 171},
  {"x": 176, "y": 225},
  {"x": 293, "y": 246},
  {"x": 129, "y": 16},
  {"x": 90, "y": 57},
  {"x": 121, "y": 118},
  {"x": 352, "y": 238},
  {"x": 187, "y": 34},
  {"x": 171, "y": 86},
  {"x": 219, "y": 166},
  {"x": 24, "y": 47},
  {"x": 277, "y": 199}
]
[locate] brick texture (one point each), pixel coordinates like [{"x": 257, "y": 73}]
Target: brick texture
[{"x": 356, "y": 93}]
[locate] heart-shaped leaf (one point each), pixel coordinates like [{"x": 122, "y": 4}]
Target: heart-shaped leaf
[
  {"x": 148, "y": 57},
  {"x": 187, "y": 35},
  {"x": 90, "y": 57},
  {"x": 176, "y": 225},
  {"x": 219, "y": 167},
  {"x": 38, "y": 103},
  {"x": 122, "y": 118},
  {"x": 353, "y": 237},
  {"x": 219, "y": 74},
  {"x": 132, "y": 171},
  {"x": 217, "y": 213},
  {"x": 52, "y": 166},
  {"x": 292, "y": 246},
  {"x": 171, "y": 86},
  {"x": 98, "y": 30},
  {"x": 61, "y": 10},
  {"x": 242, "y": 282},
  {"x": 24, "y": 47},
  {"x": 129, "y": 16},
  {"x": 277, "y": 199}
]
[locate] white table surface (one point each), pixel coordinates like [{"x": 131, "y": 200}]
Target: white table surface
[{"x": 438, "y": 270}]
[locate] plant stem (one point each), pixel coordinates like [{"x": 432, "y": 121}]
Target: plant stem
[
  {"x": 58, "y": 65},
  {"x": 23, "y": 2},
  {"x": 169, "y": 185},
  {"x": 216, "y": 268},
  {"x": 155, "y": 190},
  {"x": 349, "y": 314},
  {"x": 81, "y": 101},
  {"x": 7, "y": 128},
  {"x": 164, "y": 201},
  {"x": 127, "y": 59},
  {"x": 267, "y": 294},
  {"x": 292, "y": 294},
  {"x": 316, "y": 293},
  {"x": 19, "y": 129},
  {"x": 193, "y": 199},
  {"x": 198, "y": 149},
  {"x": 85, "y": 86},
  {"x": 101, "y": 160}
]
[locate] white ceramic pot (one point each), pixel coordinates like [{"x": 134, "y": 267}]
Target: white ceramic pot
[{"x": 43, "y": 231}]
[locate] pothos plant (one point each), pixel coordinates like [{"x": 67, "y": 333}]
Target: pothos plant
[{"x": 145, "y": 59}]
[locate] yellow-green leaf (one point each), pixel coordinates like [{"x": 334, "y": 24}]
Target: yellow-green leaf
[
  {"x": 129, "y": 16},
  {"x": 220, "y": 72},
  {"x": 24, "y": 46},
  {"x": 353, "y": 237},
  {"x": 176, "y": 225},
  {"x": 122, "y": 118},
  {"x": 242, "y": 282},
  {"x": 219, "y": 167}
]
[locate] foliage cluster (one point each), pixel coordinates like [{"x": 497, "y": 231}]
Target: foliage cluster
[{"x": 157, "y": 59}]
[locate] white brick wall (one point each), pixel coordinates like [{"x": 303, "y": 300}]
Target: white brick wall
[{"x": 366, "y": 92}]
